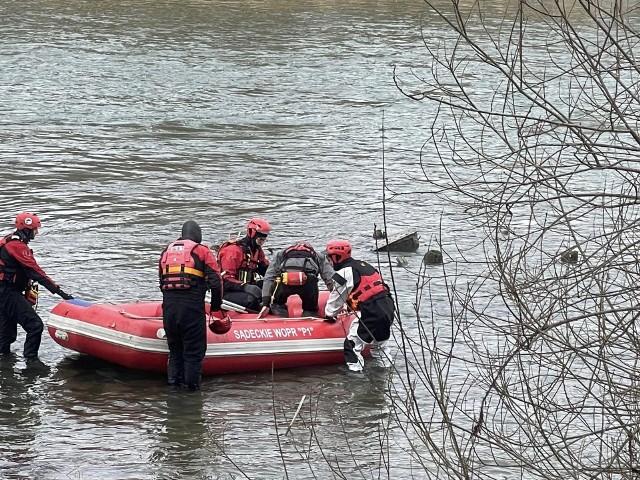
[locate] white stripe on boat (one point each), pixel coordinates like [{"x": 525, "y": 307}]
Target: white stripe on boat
[{"x": 228, "y": 349}]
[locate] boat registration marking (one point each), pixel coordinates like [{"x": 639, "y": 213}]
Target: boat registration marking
[{"x": 259, "y": 333}]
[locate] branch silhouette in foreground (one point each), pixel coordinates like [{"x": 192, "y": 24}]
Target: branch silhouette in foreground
[{"x": 531, "y": 365}]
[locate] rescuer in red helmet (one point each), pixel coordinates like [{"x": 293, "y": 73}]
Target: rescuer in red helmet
[
  {"x": 241, "y": 261},
  {"x": 359, "y": 285},
  {"x": 294, "y": 271},
  {"x": 187, "y": 269},
  {"x": 17, "y": 268}
]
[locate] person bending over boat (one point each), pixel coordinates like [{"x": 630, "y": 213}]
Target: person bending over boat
[
  {"x": 187, "y": 270},
  {"x": 294, "y": 271},
  {"x": 18, "y": 268},
  {"x": 360, "y": 286},
  {"x": 241, "y": 262}
]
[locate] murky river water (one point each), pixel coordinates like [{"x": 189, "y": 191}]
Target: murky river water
[{"x": 120, "y": 120}]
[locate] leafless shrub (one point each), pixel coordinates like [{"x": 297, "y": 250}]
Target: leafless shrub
[{"x": 530, "y": 369}]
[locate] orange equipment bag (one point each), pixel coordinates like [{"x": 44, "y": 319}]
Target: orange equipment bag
[{"x": 294, "y": 279}]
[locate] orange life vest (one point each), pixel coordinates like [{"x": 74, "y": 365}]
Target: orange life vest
[
  {"x": 180, "y": 270},
  {"x": 370, "y": 284}
]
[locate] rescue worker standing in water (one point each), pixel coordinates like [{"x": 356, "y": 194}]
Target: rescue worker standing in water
[
  {"x": 241, "y": 261},
  {"x": 293, "y": 271},
  {"x": 187, "y": 270},
  {"x": 360, "y": 286},
  {"x": 17, "y": 268}
]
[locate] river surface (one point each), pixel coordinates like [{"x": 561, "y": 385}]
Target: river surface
[{"x": 121, "y": 120}]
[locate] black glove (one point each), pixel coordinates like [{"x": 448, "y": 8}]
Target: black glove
[
  {"x": 216, "y": 303},
  {"x": 65, "y": 296},
  {"x": 329, "y": 319},
  {"x": 266, "y": 301}
]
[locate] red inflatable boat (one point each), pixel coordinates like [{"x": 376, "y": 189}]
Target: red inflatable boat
[{"x": 132, "y": 335}]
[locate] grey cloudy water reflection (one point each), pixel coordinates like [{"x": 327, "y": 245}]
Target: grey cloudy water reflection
[{"x": 119, "y": 120}]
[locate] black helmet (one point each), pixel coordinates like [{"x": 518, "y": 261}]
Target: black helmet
[{"x": 191, "y": 231}]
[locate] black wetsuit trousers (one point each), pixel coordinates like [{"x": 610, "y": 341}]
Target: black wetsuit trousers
[
  {"x": 376, "y": 318},
  {"x": 308, "y": 294},
  {"x": 16, "y": 310},
  {"x": 186, "y": 330}
]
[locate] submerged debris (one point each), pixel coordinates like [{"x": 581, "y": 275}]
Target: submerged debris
[
  {"x": 402, "y": 261},
  {"x": 432, "y": 257},
  {"x": 402, "y": 242},
  {"x": 378, "y": 234},
  {"x": 569, "y": 256}
]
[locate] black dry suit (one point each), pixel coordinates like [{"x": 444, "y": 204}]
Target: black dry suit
[
  {"x": 17, "y": 267},
  {"x": 187, "y": 269}
]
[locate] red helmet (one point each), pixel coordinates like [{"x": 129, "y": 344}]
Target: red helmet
[
  {"x": 27, "y": 220},
  {"x": 257, "y": 225},
  {"x": 338, "y": 250},
  {"x": 220, "y": 325}
]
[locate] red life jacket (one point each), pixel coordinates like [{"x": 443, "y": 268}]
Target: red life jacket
[
  {"x": 180, "y": 270},
  {"x": 300, "y": 257},
  {"x": 300, "y": 247},
  {"x": 6, "y": 272},
  {"x": 370, "y": 284},
  {"x": 249, "y": 265}
]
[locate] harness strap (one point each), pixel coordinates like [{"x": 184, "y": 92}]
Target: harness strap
[
  {"x": 366, "y": 288},
  {"x": 183, "y": 269}
]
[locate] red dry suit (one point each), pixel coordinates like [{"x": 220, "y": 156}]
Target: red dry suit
[{"x": 240, "y": 263}]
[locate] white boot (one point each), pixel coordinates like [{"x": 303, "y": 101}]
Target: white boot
[
  {"x": 381, "y": 353},
  {"x": 353, "y": 349}
]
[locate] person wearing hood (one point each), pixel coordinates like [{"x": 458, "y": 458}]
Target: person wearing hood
[
  {"x": 18, "y": 271},
  {"x": 187, "y": 269},
  {"x": 241, "y": 262}
]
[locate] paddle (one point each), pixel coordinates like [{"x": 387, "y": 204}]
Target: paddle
[{"x": 234, "y": 307}]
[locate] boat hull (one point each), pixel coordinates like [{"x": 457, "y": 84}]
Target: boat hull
[
  {"x": 401, "y": 242},
  {"x": 132, "y": 335}
]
